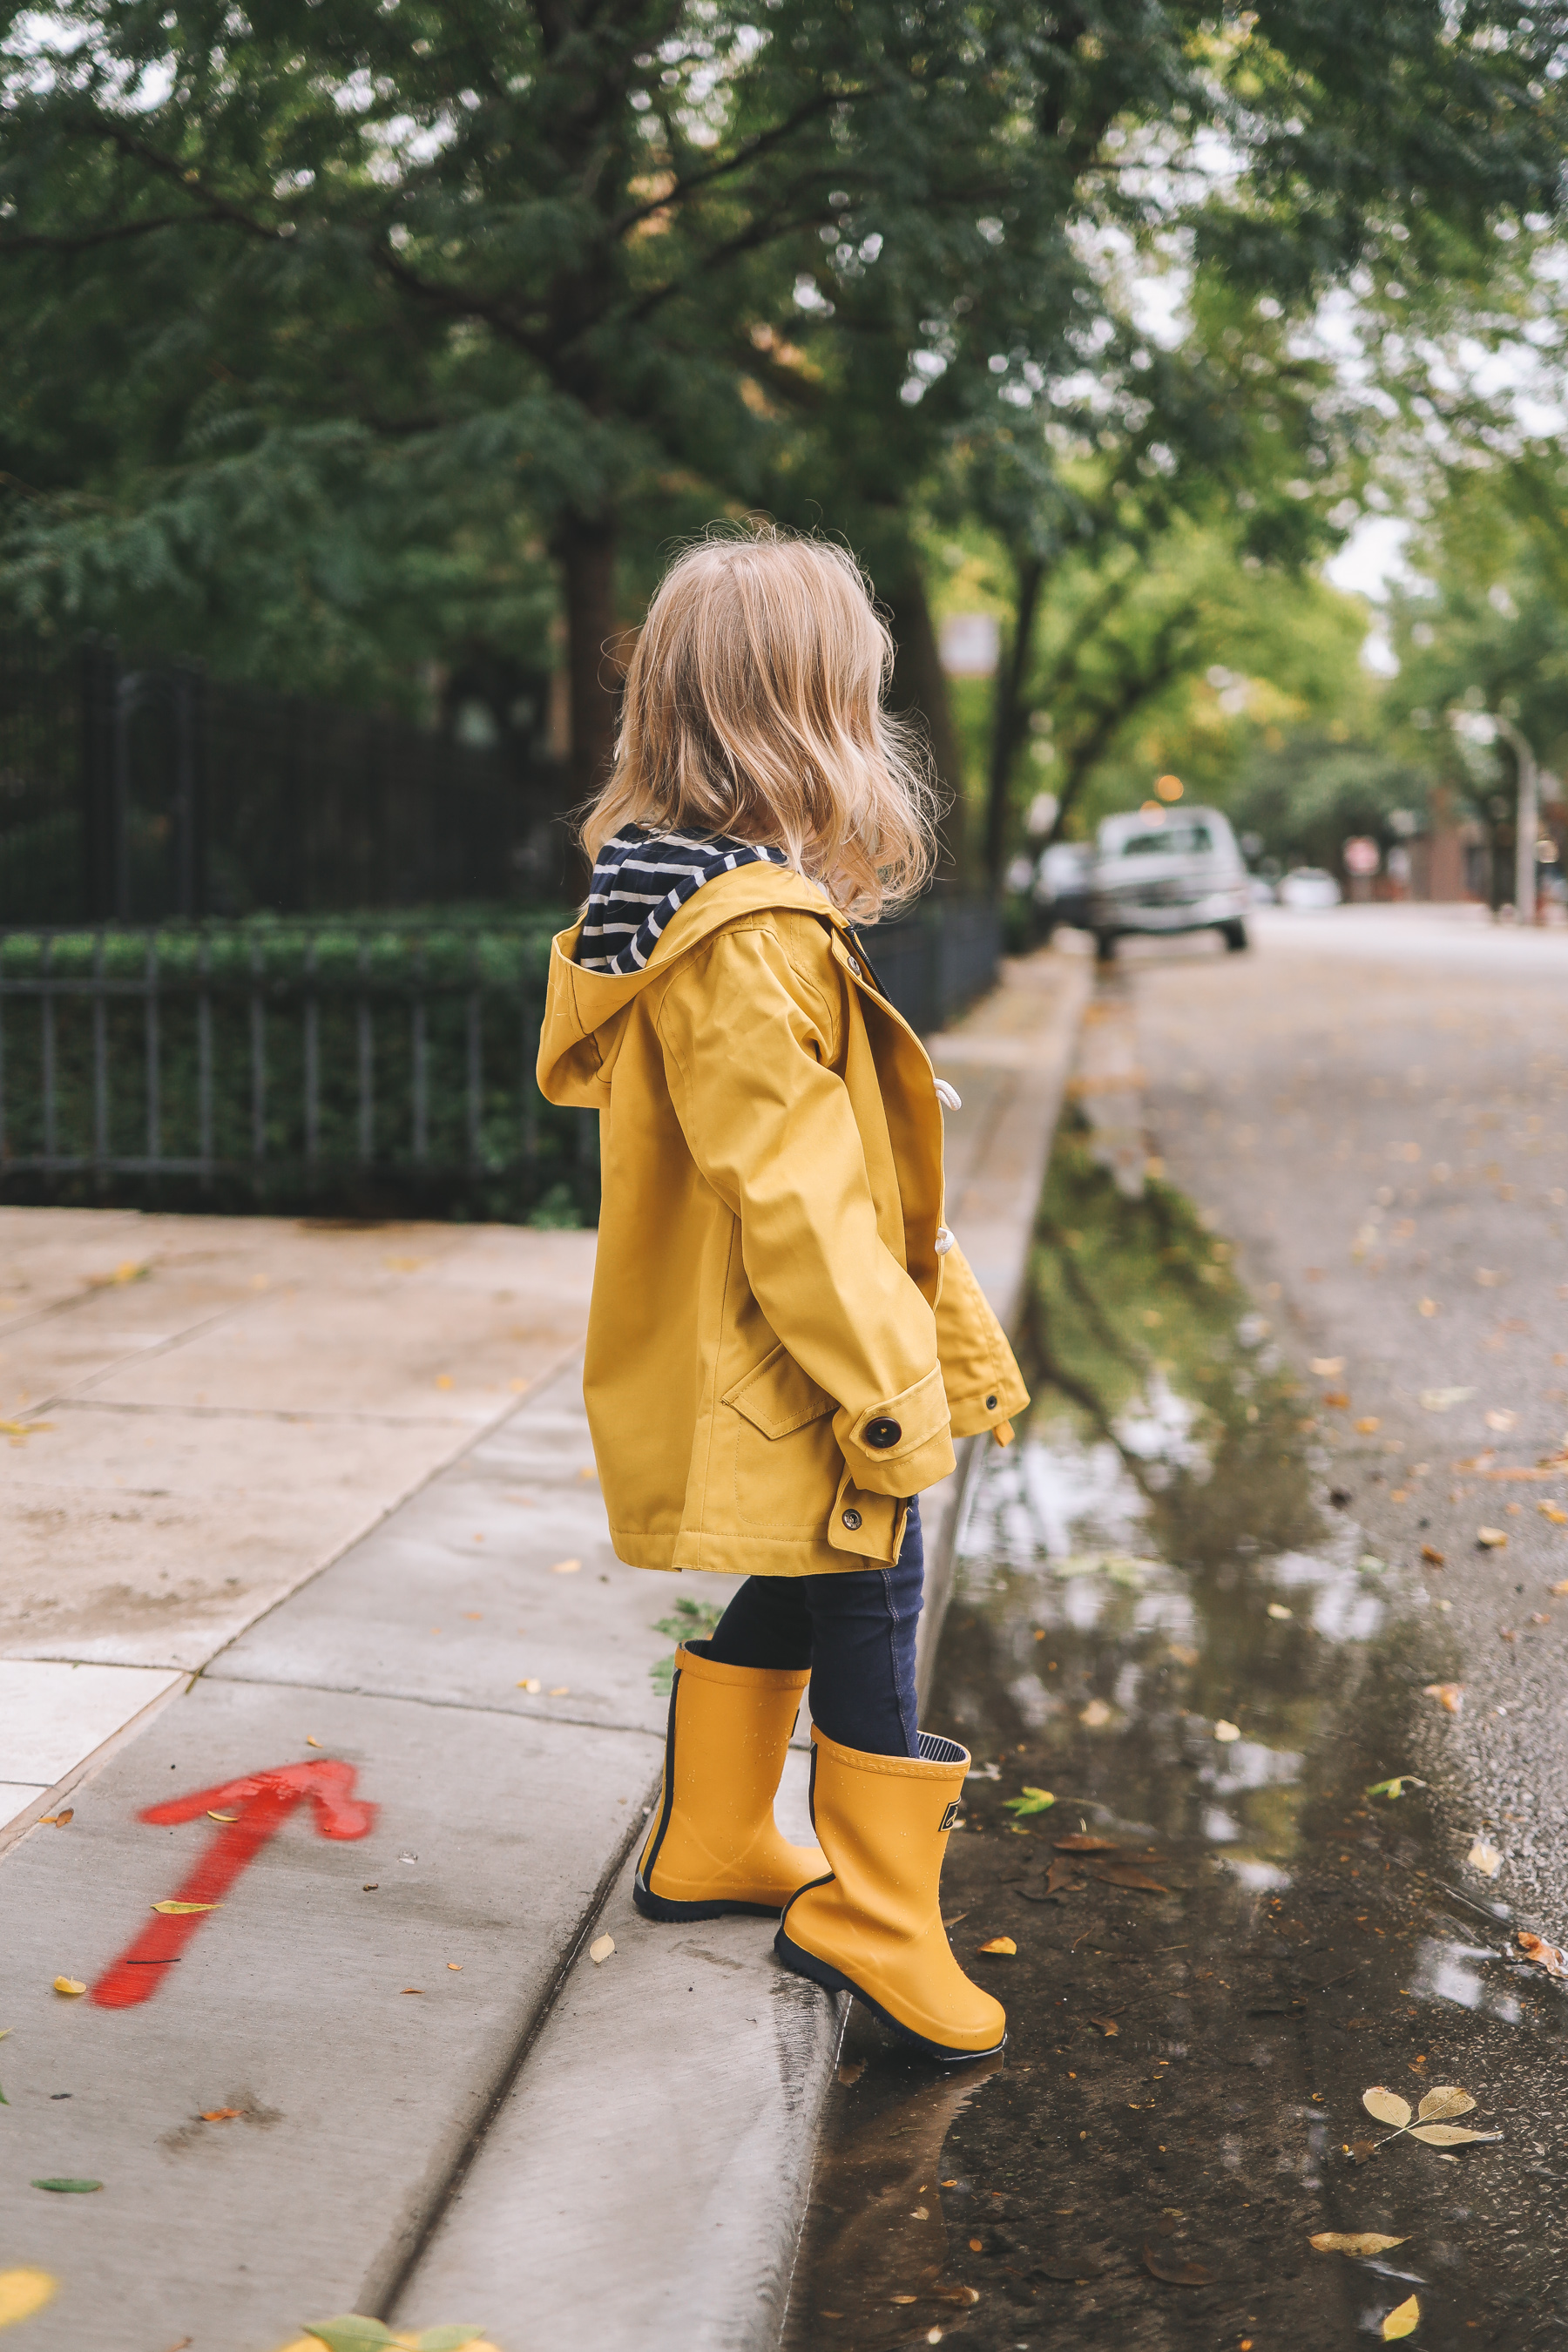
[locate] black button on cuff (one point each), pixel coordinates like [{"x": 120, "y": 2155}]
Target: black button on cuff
[
  {"x": 882, "y": 1433},
  {"x": 851, "y": 1520},
  {"x": 990, "y": 1404}
]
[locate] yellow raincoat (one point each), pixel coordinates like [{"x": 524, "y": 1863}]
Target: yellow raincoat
[{"x": 777, "y": 1355}]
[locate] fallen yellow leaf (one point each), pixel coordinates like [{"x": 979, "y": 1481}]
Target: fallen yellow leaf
[
  {"x": 1491, "y": 1539},
  {"x": 221, "y": 1817},
  {"x": 1225, "y": 1732},
  {"x": 600, "y": 1949},
  {"x": 1002, "y": 1945},
  {"x": 531, "y": 1683},
  {"x": 1550, "y": 1511},
  {"x": 23, "y": 1428},
  {"x": 311, "y": 1742},
  {"x": 1449, "y": 1695},
  {"x": 22, "y": 2292},
  {"x": 566, "y": 1568},
  {"x": 1368, "y": 1425},
  {"x": 131, "y": 1270},
  {"x": 219, "y": 2114},
  {"x": 173, "y": 1910},
  {"x": 559, "y": 1690},
  {"x": 1327, "y": 1366},
  {"x": 1353, "y": 2241},
  {"x": 1485, "y": 1858},
  {"x": 1278, "y": 1609},
  {"x": 70, "y": 1986},
  {"x": 1095, "y": 1714},
  {"x": 444, "y": 1380},
  {"x": 1402, "y": 2321}
]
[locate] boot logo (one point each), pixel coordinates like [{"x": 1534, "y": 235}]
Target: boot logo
[{"x": 948, "y": 1818}]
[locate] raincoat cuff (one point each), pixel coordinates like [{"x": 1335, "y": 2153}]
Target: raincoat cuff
[
  {"x": 990, "y": 1408},
  {"x": 902, "y": 1443}
]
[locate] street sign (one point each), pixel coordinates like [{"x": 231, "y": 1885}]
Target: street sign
[{"x": 257, "y": 1807}]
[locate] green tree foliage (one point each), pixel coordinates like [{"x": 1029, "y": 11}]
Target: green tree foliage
[{"x": 317, "y": 320}]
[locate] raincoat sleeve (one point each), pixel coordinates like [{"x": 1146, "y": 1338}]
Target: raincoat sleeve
[{"x": 770, "y": 1127}]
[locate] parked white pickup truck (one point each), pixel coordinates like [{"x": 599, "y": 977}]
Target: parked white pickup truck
[{"x": 1169, "y": 870}]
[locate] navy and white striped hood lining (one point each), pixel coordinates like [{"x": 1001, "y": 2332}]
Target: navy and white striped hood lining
[{"x": 639, "y": 880}]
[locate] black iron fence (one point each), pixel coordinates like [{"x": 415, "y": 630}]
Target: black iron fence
[
  {"x": 139, "y": 792},
  {"x": 378, "y": 1066}
]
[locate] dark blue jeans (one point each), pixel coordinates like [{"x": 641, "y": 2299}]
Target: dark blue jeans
[{"x": 855, "y": 1629}]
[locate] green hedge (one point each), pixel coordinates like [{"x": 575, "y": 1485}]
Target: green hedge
[{"x": 531, "y": 1160}]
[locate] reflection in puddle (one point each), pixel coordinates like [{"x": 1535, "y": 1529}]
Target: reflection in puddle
[{"x": 1157, "y": 1618}]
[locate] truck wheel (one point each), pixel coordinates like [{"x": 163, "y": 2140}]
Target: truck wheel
[
  {"x": 1235, "y": 937},
  {"x": 1105, "y": 947}
]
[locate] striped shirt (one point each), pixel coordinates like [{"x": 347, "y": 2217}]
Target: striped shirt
[{"x": 639, "y": 880}]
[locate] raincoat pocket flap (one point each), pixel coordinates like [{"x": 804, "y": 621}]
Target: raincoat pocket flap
[{"x": 776, "y": 1396}]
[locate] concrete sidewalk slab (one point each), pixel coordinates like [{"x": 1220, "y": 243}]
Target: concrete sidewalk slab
[
  {"x": 467, "y": 1593},
  {"x": 355, "y": 2099},
  {"x": 46, "y": 1711},
  {"x": 213, "y": 1408}
]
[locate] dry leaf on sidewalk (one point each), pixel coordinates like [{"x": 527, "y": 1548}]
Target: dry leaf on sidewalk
[
  {"x": 1353, "y": 2241},
  {"x": 1484, "y": 1857},
  {"x": 173, "y": 1910},
  {"x": 1226, "y": 1731},
  {"x": 1491, "y": 1539},
  {"x": 999, "y": 1948},
  {"x": 1546, "y": 1956},
  {"x": 70, "y": 1986},
  {"x": 600, "y": 1949},
  {"x": 1402, "y": 2321},
  {"x": 24, "y": 2292},
  {"x": 1448, "y": 1695}
]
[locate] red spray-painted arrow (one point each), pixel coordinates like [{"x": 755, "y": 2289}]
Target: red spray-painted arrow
[{"x": 264, "y": 1801}]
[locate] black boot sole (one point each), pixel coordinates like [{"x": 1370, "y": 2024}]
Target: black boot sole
[
  {"x": 658, "y": 1906},
  {"x": 806, "y": 1964}
]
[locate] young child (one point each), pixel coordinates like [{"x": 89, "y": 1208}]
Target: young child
[{"x": 784, "y": 1339}]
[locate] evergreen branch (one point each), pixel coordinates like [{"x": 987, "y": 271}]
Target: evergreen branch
[
  {"x": 761, "y": 145},
  {"x": 40, "y": 241}
]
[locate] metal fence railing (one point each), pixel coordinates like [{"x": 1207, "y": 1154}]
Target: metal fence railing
[
  {"x": 374, "y": 1067},
  {"x": 146, "y": 790},
  {"x": 938, "y": 959}
]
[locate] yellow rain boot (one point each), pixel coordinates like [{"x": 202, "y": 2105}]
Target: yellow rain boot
[
  {"x": 713, "y": 1846},
  {"x": 873, "y": 1926}
]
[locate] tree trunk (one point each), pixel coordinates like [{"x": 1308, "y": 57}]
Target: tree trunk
[
  {"x": 1007, "y": 723},
  {"x": 587, "y": 552},
  {"x": 920, "y": 684}
]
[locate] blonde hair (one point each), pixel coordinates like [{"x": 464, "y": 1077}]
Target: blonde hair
[{"x": 753, "y": 708}]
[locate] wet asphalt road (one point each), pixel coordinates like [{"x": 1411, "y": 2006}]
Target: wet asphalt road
[
  {"x": 1194, "y": 1605},
  {"x": 1374, "y": 1106}
]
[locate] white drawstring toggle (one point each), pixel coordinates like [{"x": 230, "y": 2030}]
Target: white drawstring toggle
[
  {"x": 949, "y": 1097},
  {"x": 944, "y": 1241}
]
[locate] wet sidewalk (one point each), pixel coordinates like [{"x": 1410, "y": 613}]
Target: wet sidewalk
[{"x": 369, "y": 2062}]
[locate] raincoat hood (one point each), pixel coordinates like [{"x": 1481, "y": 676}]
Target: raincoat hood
[{"x": 582, "y": 1008}]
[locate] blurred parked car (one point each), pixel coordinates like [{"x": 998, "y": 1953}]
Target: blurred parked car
[
  {"x": 1176, "y": 870},
  {"x": 1309, "y": 886},
  {"x": 1063, "y": 887},
  {"x": 1261, "y": 891}
]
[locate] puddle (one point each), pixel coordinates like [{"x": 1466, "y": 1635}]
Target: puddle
[{"x": 1162, "y": 1618}]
